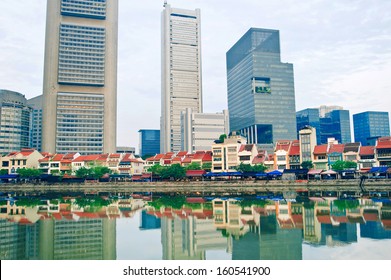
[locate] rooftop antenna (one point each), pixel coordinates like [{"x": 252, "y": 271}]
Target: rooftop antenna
[{"x": 165, "y": 3}]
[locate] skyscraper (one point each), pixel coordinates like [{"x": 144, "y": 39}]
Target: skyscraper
[
  {"x": 80, "y": 76},
  {"x": 261, "y": 95},
  {"x": 336, "y": 124},
  {"x": 181, "y": 72},
  {"x": 15, "y": 118},
  {"x": 149, "y": 142},
  {"x": 370, "y": 124},
  {"x": 36, "y": 122}
]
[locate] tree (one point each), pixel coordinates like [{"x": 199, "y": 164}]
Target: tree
[
  {"x": 339, "y": 165},
  {"x": 350, "y": 165},
  {"x": 259, "y": 168},
  {"x": 194, "y": 166},
  {"x": 3, "y": 172},
  {"x": 207, "y": 166},
  {"x": 28, "y": 172},
  {"x": 83, "y": 172},
  {"x": 307, "y": 164},
  {"x": 98, "y": 171},
  {"x": 175, "y": 171},
  {"x": 244, "y": 167},
  {"x": 222, "y": 137},
  {"x": 156, "y": 169}
]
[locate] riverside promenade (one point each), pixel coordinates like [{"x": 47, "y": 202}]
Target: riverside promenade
[{"x": 204, "y": 186}]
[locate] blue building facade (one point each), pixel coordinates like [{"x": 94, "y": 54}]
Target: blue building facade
[
  {"x": 369, "y": 125},
  {"x": 149, "y": 142},
  {"x": 309, "y": 117},
  {"x": 261, "y": 95}
]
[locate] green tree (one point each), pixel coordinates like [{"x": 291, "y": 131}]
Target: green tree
[
  {"x": 98, "y": 171},
  {"x": 194, "y": 166},
  {"x": 156, "y": 169},
  {"x": 244, "y": 167},
  {"x": 222, "y": 137},
  {"x": 83, "y": 172},
  {"x": 350, "y": 164},
  {"x": 28, "y": 172},
  {"x": 339, "y": 165},
  {"x": 307, "y": 164},
  {"x": 259, "y": 168},
  {"x": 3, "y": 172},
  {"x": 55, "y": 172},
  {"x": 207, "y": 166},
  {"x": 175, "y": 171}
]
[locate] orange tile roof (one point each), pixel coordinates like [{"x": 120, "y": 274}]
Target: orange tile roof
[
  {"x": 69, "y": 156},
  {"x": 114, "y": 156},
  {"x": 383, "y": 143},
  {"x": 260, "y": 158},
  {"x": 86, "y": 158},
  {"x": 176, "y": 159},
  {"x": 247, "y": 147},
  {"x": 181, "y": 153},
  {"x": 283, "y": 145},
  {"x": 367, "y": 150},
  {"x": 159, "y": 157},
  {"x": 207, "y": 157},
  {"x": 186, "y": 160},
  {"x": 168, "y": 155},
  {"x": 336, "y": 148},
  {"x": 199, "y": 155},
  {"x": 57, "y": 157},
  {"x": 295, "y": 148},
  {"x": 320, "y": 149}
]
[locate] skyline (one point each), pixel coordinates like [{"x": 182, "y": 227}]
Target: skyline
[{"x": 329, "y": 67}]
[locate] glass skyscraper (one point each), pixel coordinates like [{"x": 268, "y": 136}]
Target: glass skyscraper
[
  {"x": 149, "y": 142},
  {"x": 181, "y": 72},
  {"x": 36, "y": 122},
  {"x": 309, "y": 117},
  {"x": 80, "y": 77},
  {"x": 370, "y": 124},
  {"x": 261, "y": 95}
]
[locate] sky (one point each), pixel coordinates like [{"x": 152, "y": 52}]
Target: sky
[{"x": 340, "y": 50}]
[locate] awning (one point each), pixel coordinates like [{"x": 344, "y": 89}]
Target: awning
[
  {"x": 9, "y": 176},
  {"x": 136, "y": 177},
  {"x": 195, "y": 173},
  {"x": 380, "y": 169},
  {"x": 329, "y": 172},
  {"x": 274, "y": 173},
  {"x": 314, "y": 171}
]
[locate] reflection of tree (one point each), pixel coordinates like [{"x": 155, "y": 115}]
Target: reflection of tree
[
  {"x": 92, "y": 204},
  {"x": 346, "y": 204},
  {"x": 29, "y": 202},
  {"x": 309, "y": 205},
  {"x": 175, "y": 202},
  {"x": 249, "y": 203}
]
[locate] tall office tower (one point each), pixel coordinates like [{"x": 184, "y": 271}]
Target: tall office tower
[
  {"x": 15, "y": 117},
  {"x": 336, "y": 124},
  {"x": 200, "y": 130},
  {"x": 370, "y": 124},
  {"x": 36, "y": 122},
  {"x": 149, "y": 143},
  {"x": 181, "y": 72},
  {"x": 80, "y": 76},
  {"x": 261, "y": 95}
]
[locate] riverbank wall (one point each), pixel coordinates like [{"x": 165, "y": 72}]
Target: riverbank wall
[{"x": 203, "y": 186}]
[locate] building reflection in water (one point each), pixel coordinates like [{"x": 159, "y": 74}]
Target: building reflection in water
[{"x": 248, "y": 229}]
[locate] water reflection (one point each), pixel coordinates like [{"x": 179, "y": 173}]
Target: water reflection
[{"x": 247, "y": 227}]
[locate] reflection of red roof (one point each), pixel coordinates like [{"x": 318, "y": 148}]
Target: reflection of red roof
[
  {"x": 367, "y": 150},
  {"x": 341, "y": 219},
  {"x": 383, "y": 143},
  {"x": 371, "y": 217},
  {"x": 324, "y": 219},
  {"x": 295, "y": 148},
  {"x": 195, "y": 200},
  {"x": 24, "y": 221},
  {"x": 57, "y": 216},
  {"x": 386, "y": 224},
  {"x": 336, "y": 148},
  {"x": 298, "y": 220},
  {"x": 320, "y": 149}
]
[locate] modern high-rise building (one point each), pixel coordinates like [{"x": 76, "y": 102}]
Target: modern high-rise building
[
  {"x": 149, "y": 143},
  {"x": 336, "y": 124},
  {"x": 261, "y": 94},
  {"x": 200, "y": 130},
  {"x": 333, "y": 124},
  {"x": 15, "y": 120},
  {"x": 36, "y": 122},
  {"x": 80, "y": 77},
  {"x": 370, "y": 124},
  {"x": 181, "y": 72},
  {"x": 324, "y": 109}
]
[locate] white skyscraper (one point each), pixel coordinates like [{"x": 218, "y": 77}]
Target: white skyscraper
[
  {"x": 80, "y": 76},
  {"x": 181, "y": 72}
]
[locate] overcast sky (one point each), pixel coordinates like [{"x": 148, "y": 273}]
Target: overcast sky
[{"x": 341, "y": 52}]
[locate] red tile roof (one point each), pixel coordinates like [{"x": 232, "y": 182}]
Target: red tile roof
[
  {"x": 336, "y": 148},
  {"x": 177, "y": 159},
  {"x": 260, "y": 158},
  {"x": 69, "y": 156},
  {"x": 207, "y": 157},
  {"x": 247, "y": 148},
  {"x": 168, "y": 155},
  {"x": 320, "y": 149},
  {"x": 114, "y": 156},
  {"x": 45, "y": 159},
  {"x": 187, "y": 160},
  {"x": 199, "y": 155},
  {"x": 57, "y": 157},
  {"x": 86, "y": 158},
  {"x": 383, "y": 143},
  {"x": 283, "y": 145},
  {"x": 158, "y": 157},
  {"x": 295, "y": 148},
  {"x": 181, "y": 154},
  {"x": 367, "y": 150}
]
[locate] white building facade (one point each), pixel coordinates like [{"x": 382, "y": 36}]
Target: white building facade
[
  {"x": 199, "y": 130},
  {"x": 80, "y": 77},
  {"x": 181, "y": 72}
]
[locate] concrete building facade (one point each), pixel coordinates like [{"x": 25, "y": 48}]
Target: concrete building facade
[
  {"x": 199, "y": 130},
  {"x": 80, "y": 76},
  {"x": 181, "y": 72}
]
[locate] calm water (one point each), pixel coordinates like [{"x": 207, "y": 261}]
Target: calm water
[{"x": 287, "y": 226}]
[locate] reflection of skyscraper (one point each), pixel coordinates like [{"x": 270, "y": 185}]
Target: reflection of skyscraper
[
  {"x": 149, "y": 221},
  {"x": 13, "y": 241},
  {"x": 80, "y": 77},
  {"x": 189, "y": 237},
  {"x": 85, "y": 239},
  {"x": 374, "y": 230}
]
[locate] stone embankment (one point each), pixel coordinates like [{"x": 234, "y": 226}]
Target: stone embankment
[{"x": 203, "y": 186}]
